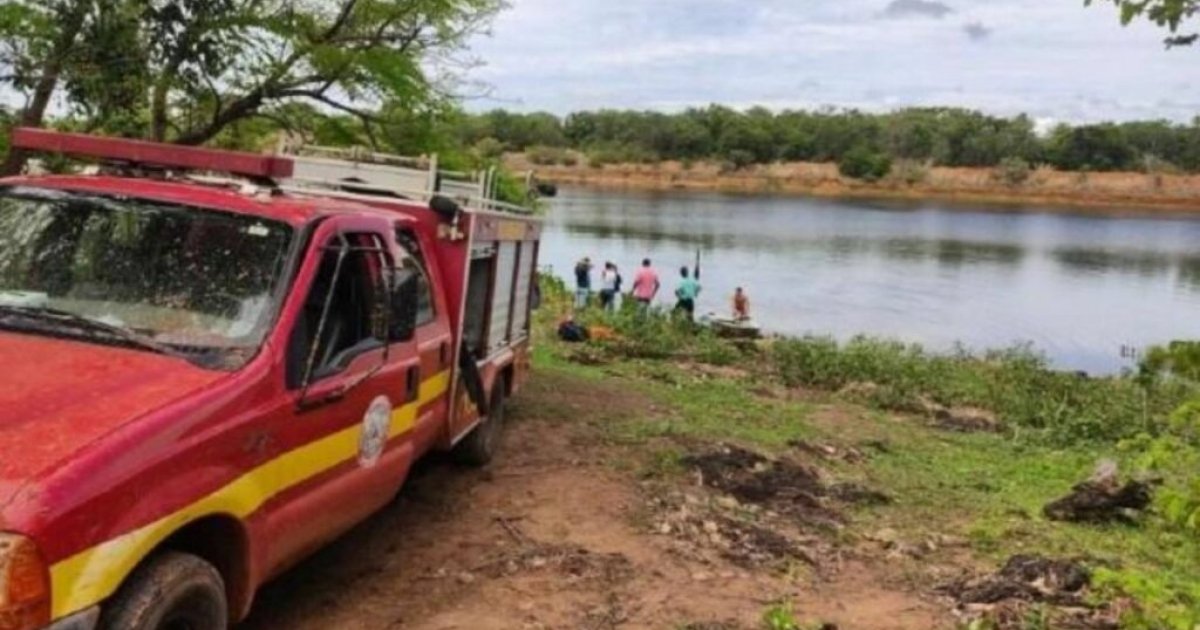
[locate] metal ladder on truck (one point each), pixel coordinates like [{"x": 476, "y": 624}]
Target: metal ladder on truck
[{"x": 332, "y": 169}]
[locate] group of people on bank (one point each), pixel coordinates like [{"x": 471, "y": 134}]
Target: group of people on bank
[{"x": 645, "y": 289}]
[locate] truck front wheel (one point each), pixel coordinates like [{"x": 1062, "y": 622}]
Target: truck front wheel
[
  {"x": 480, "y": 446},
  {"x": 173, "y": 591}
]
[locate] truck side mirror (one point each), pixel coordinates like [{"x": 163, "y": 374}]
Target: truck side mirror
[
  {"x": 402, "y": 305},
  {"x": 444, "y": 207}
]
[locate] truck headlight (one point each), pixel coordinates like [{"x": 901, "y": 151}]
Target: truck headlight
[{"x": 24, "y": 584}]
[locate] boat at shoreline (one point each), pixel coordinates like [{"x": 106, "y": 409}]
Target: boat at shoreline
[{"x": 730, "y": 328}]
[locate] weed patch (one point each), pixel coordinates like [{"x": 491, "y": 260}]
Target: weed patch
[{"x": 1016, "y": 384}]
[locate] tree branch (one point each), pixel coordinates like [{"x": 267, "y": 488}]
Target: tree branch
[
  {"x": 321, "y": 97},
  {"x": 340, "y": 22}
]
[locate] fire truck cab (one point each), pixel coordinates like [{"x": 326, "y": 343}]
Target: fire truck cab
[{"x": 214, "y": 363}]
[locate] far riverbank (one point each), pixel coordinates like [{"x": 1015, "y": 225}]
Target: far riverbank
[{"x": 1100, "y": 193}]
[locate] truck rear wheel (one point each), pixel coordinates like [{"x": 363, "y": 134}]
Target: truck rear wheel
[
  {"x": 480, "y": 446},
  {"x": 173, "y": 591}
]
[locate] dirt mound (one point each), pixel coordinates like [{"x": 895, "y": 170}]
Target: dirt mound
[
  {"x": 733, "y": 536},
  {"x": 1092, "y": 503},
  {"x": 1102, "y": 499},
  {"x": 1027, "y": 578},
  {"x": 748, "y": 545},
  {"x": 1006, "y": 597},
  {"x": 788, "y": 487}
]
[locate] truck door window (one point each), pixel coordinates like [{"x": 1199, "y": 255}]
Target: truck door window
[
  {"x": 356, "y": 295},
  {"x": 413, "y": 258}
]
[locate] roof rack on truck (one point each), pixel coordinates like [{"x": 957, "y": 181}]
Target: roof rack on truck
[
  {"x": 331, "y": 169},
  {"x": 305, "y": 170}
]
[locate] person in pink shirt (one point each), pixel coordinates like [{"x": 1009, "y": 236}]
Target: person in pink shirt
[{"x": 645, "y": 285}]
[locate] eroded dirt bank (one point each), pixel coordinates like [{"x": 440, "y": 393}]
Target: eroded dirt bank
[{"x": 1101, "y": 193}]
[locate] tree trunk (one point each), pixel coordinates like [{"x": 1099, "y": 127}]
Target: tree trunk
[
  {"x": 35, "y": 114},
  {"x": 159, "y": 101}
]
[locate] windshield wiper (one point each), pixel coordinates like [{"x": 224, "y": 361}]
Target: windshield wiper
[{"x": 92, "y": 326}]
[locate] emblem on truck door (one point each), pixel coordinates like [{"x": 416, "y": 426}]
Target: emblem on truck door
[{"x": 376, "y": 423}]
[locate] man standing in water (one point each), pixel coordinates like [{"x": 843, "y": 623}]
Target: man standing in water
[
  {"x": 645, "y": 286},
  {"x": 583, "y": 283},
  {"x": 686, "y": 294}
]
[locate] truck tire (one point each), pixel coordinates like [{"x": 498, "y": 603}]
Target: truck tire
[
  {"x": 173, "y": 591},
  {"x": 480, "y": 446}
]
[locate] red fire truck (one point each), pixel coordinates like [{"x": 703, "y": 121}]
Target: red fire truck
[{"x": 213, "y": 363}]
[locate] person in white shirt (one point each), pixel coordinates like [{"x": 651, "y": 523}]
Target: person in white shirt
[{"x": 610, "y": 286}]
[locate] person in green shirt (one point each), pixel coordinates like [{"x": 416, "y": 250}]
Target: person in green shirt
[{"x": 686, "y": 294}]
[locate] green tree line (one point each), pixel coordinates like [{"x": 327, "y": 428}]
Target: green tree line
[{"x": 941, "y": 136}]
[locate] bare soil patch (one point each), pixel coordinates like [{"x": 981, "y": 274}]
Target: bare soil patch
[
  {"x": 801, "y": 491},
  {"x": 553, "y": 535}
]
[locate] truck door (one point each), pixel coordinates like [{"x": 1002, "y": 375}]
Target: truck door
[
  {"x": 353, "y": 392},
  {"x": 434, "y": 341}
]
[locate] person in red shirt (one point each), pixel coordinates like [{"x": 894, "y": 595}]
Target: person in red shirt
[{"x": 645, "y": 285}]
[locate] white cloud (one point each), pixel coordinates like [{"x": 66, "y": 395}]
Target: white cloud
[{"x": 1054, "y": 60}]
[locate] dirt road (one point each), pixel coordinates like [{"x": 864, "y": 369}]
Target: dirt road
[{"x": 557, "y": 533}]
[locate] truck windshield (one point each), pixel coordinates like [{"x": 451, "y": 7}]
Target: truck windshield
[{"x": 200, "y": 284}]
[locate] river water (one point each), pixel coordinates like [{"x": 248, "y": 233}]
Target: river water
[{"x": 1078, "y": 288}]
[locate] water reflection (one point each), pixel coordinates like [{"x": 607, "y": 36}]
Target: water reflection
[
  {"x": 1189, "y": 273},
  {"x": 951, "y": 253},
  {"x": 1078, "y": 287},
  {"x": 634, "y": 233},
  {"x": 1102, "y": 261}
]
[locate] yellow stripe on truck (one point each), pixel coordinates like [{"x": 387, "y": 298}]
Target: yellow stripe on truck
[{"x": 92, "y": 575}]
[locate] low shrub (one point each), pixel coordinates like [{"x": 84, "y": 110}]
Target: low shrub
[
  {"x": 1178, "y": 359},
  {"x": 1016, "y": 384},
  {"x": 1012, "y": 171},
  {"x": 549, "y": 156},
  {"x": 604, "y": 154},
  {"x": 1151, "y": 164},
  {"x": 737, "y": 160},
  {"x": 489, "y": 148},
  {"x": 865, "y": 164},
  {"x": 910, "y": 172}
]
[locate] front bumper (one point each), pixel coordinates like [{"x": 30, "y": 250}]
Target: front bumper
[{"x": 82, "y": 620}]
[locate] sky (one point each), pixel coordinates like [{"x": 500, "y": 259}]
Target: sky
[{"x": 1052, "y": 59}]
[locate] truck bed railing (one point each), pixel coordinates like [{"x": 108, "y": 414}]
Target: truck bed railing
[
  {"x": 312, "y": 170},
  {"x": 333, "y": 171}
]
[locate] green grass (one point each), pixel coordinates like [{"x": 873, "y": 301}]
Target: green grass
[
  {"x": 702, "y": 407},
  {"x": 985, "y": 488},
  {"x": 1016, "y": 384}
]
